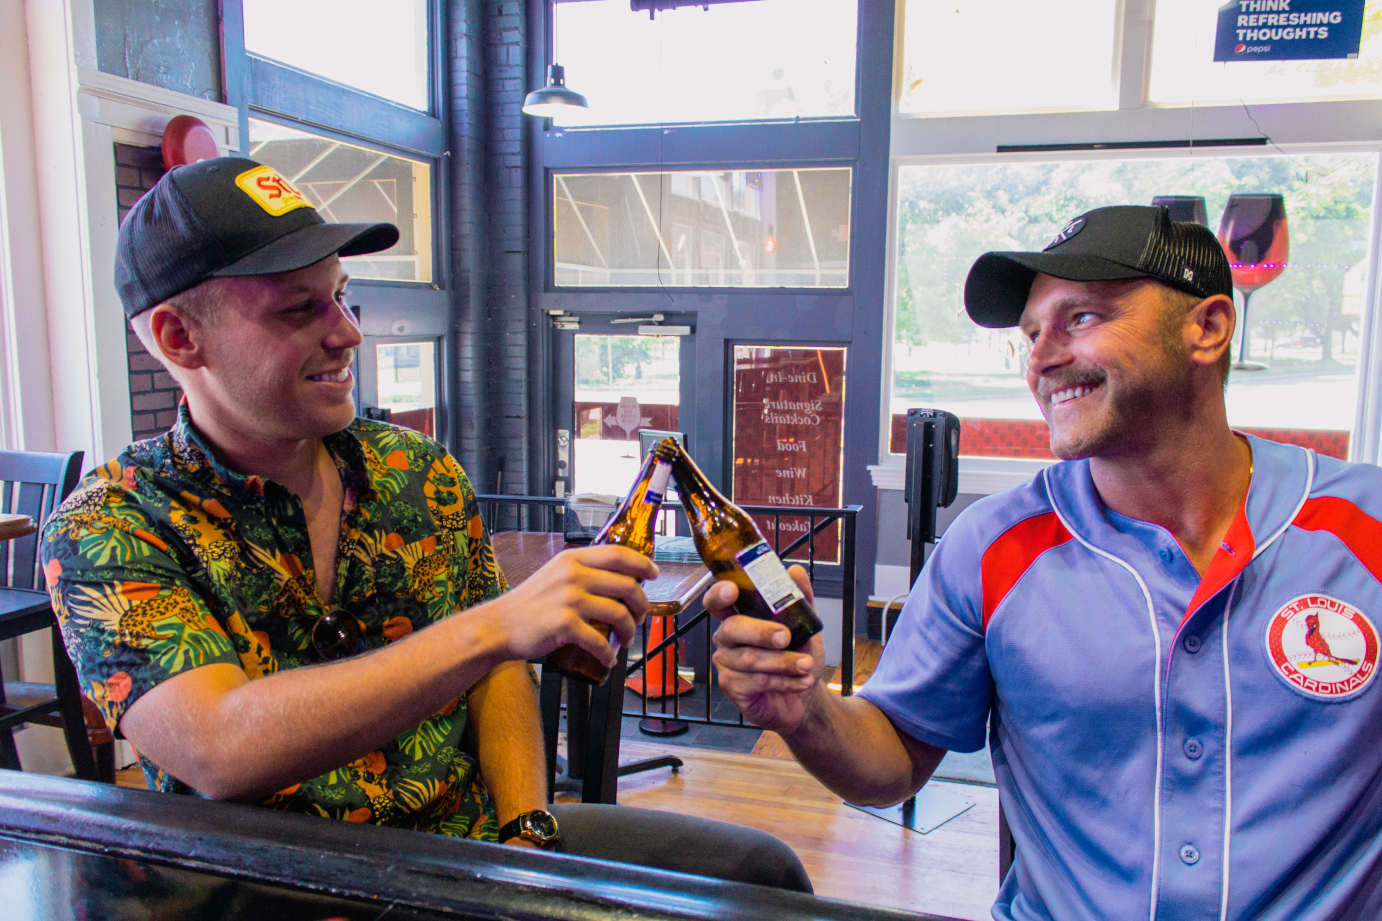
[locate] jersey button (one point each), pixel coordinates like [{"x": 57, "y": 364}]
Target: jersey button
[
  {"x": 1189, "y": 854},
  {"x": 1193, "y": 749},
  {"x": 1191, "y": 643},
  {"x": 1168, "y": 555}
]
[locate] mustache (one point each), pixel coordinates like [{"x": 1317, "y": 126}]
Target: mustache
[{"x": 1049, "y": 385}]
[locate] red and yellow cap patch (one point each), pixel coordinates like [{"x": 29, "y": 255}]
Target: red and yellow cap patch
[{"x": 271, "y": 191}]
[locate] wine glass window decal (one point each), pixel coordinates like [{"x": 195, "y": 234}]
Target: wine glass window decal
[
  {"x": 1252, "y": 232},
  {"x": 1184, "y": 207}
]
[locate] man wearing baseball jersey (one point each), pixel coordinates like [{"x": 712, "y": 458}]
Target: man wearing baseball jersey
[{"x": 1170, "y": 638}]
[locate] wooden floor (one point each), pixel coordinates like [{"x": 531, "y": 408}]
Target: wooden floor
[
  {"x": 952, "y": 870},
  {"x": 849, "y": 854}
]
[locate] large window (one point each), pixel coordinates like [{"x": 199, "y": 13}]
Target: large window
[
  {"x": 1051, "y": 63},
  {"x": 380, "y": 48},
  {"x": 1184, "y": 72},
  {"x": 1024, "y": 143},
  {"x": 771, "y": 228},
  {"x": 1304, "y": 325},
  {"x": 341, "y": 97},
  {"x": 768, "y": 59},
  {"x": 351, "y": 183},
  {"x": 733, "y": 174}
]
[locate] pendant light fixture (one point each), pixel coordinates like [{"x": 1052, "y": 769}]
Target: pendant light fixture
[{"x": 554, "y": 99}]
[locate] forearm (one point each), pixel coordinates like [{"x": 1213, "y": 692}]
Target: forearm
[
  {"x": 507, "y": 724},
  {"x": 853, "y": 748},
  {"x": 229, "y": 737}
]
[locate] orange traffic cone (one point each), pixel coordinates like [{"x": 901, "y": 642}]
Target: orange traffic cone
[{"x": 659, "y": 676}]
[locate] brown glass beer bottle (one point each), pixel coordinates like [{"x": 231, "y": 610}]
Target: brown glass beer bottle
[
  {"x": 734, "y": 549},
  {"x": 632, "y": 525}
]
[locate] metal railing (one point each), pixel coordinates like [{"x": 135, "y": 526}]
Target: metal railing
[{"x": 694, "y": 626}]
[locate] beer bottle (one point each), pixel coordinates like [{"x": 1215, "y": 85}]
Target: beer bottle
[
  {"x": 734, "y": 549},
  {"x": 632, "y": 526}
]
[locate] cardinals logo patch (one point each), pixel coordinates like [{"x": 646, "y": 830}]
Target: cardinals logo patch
[{"x": 1323, "y": 647}]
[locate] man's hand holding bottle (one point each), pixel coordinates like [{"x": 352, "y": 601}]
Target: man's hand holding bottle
[
  {"x": 577, "y": 597},
  {"x": 770, "y": 684}
]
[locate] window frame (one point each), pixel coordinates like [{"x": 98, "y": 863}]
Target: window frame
[
  {"x": 266, "y": 72},
  {"x": 848, "y": 316},
  {"x": 541, "y": 13},
  {"x": 1134, "y": 129},
  {"x": 549, "y": 268},
  {"x": 277, "y": 92}
]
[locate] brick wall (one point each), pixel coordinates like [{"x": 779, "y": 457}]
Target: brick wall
[
  {"x": 153, "y": 393},
  {"x": 489, "y": 240}
]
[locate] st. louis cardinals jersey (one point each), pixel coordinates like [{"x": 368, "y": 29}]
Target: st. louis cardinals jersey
[{"x": 1166, "y": 746}]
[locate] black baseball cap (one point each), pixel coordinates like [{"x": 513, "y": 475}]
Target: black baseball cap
[
  {"x": 226, "y": 216},
  {"x": 1106, "y": 244}
]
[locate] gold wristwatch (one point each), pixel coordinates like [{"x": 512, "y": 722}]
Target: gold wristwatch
[{"x": 538, "y": 826}]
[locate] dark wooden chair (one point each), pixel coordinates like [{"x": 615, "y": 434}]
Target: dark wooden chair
[
  {"x": 593, "y": 719},
  {"x": 33, "y": 483}
]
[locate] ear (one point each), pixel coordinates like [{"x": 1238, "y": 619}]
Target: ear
[
  {"x": 1209, "y": 332},
  {"x": 176, "y": 336}
]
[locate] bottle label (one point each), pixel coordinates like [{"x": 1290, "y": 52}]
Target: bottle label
[
  {"x": 769, "y": 576},
  {"x": 657, "y": 485}
]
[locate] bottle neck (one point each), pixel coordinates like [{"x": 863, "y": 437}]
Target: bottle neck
[
  {"x": 646, "y": 473},
  {"x": 696, "y": 491},
  {"x": 633, "y": 524}
]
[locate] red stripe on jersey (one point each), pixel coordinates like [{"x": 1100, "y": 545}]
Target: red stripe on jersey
[
  {"x": 1013, "y": 553},
  {"x": 1359, "y": 531},
  {"x": 1232, "y": 557}
]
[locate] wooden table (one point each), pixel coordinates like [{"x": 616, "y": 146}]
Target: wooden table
[
  {"x": 14, "y": 525},
  {"x": 521, "y": 553}
]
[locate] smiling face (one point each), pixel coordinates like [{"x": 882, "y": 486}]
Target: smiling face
[
  {"x": 275, "y": 360},
  {"x": 1109, "y": 366}
]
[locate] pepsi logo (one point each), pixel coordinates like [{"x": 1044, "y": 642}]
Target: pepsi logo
[{"x": 1239, "y": 49}]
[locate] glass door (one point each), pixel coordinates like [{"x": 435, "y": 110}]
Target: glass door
[{"x": 617, "y": 376}]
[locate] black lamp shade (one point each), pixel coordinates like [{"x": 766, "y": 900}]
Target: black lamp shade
[{"x": 554, "y": 99}]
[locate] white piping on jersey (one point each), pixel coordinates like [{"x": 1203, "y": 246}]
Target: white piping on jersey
[
  {"x": 1228, "y": 752},
  {"x": 1300, "y": 503},
  {"x": 1228, "y": 682},
  {"x": 1156, "y": 679}
]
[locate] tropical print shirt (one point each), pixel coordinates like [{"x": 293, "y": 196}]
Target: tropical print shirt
[{"x": 164, "y": 560}]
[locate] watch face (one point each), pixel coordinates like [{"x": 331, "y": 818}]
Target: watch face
[{"x": 541, "y": 824}]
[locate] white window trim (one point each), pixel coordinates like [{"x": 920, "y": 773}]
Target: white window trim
[
  {"x": 82, "y": 114},
  {"x": 1294, "y": 128},
  {"x": 977, "y": 475},
  {"x": 63, "y": 361},
  {"x": 19, "y": 284}
]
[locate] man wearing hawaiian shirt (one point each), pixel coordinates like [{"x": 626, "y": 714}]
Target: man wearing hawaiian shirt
[{"x": 245, "y": 596}]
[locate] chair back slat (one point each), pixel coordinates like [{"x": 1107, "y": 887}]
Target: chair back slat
[{"x": 32, "y": 483}]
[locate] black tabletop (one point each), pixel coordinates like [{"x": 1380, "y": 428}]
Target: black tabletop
[{"x": 76, "y": 849}]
